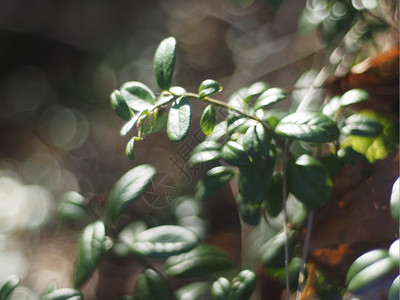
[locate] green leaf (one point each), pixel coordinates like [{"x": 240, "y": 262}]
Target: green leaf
[
  {"x": 130, "y": 149},
  {"x": 256, "y": 141},
  {"x": 270, "y": 97},
  {"x": 8, "y": 287},
  {"x": 362, "y": 125},
  {"x": 332, "y": 106},
  {"x": 91, "y": 249},
  {"x": 164, "y": 241},
  {"x": 203, "y": 260},
  {"x": 243, "y": 285},
  {"x": 164, "y": 63},
  {"x": 394, "y": 291},
  {"x": 394, "y": 250},
  {"x": 274, "y": 253},
  {"x": 208, "y": 120},
  {"x": 235, "y": 154},
  {"x": 250, "y": 213},
  {"x": 214, "y": 180},
  {"x": 309, "y": 127},
  {"x": 395, "y": 201},
  {"x": 137, "y": 95},
  {"x": 179, "y": 115},
  {"x": 120, "y": 107},
  {"x": 128, "y": 189},
  {"x": 372, "y": 273},
  {"x": 195, "y": 290},
  {"x": 63, "y": 294},
  {"x": 353, "y": 96},
  {"x": 153, "y": 122},
  {"x": 127, "y": 237},
  {"x": 150, "y": 286},
  {"x": 209, "y": 87},
  {"x": 132, "y": 122},
  {"x": 309, "y": 182},
  {"x": 205, "y": 152},
  {"x": 221, "y": 289},
  {"x": 273, "y": 201},
  {"x": 72, "y": 206}
]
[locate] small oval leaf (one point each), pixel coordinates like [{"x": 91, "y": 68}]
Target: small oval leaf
[
  {"x": 353, "y": 96},
  {"x": 250, "y": 213},
  {"x": 132, "y": 122},
  {"x": 208, "y": 120},
  {"x": 164, "y": 241},
  {"x": 394, "y": 291},
  {"x": 273, "y": 202},
  {"x": 221, "y": 289},
  {"x": 137, "y": 95},
  {"x": 130, "y": 149},
  {"x": 179, "y": 115},
  {"x": 209, "y": 87},
  {"x": 235, "y": 154},
  {"x": 362, "y": 125},
  {"x": 8, "y": 287},
  {"x": 164, "y": 63},
  {"x": 150, "y": 286},
  {"x": 120, "y": 107},
  {"x": 63, "y": 294},
  {"x": 203, "y": 260},
  {"x": 195, "y": 290},
  {"x": 205, "y": 152},
  {"x": 243, "y": 285},
  {"x": 270, "y": 97},
  {"x": 72, "y": 206},
  {"x": 395, "y": 201},
  {"x": 91, "y": 249},
  {"x": 274, "y": 254},
  {"x": 128, "y": 189},
  {"x": 309, "y": 127},
  {"x": 255, "y": 141},
  {"x": 214, "y": 180}
]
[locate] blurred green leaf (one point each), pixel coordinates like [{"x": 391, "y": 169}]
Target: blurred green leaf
[
  {"x": 273, "y": 201},
  {"x": 127, "y": 237},
  {"x": 150, "y": 286},
  {"x": 72, "y": 206},
  {"x": 256, "y": 141},
  {"x": 394, "y": 291},
  {"x": 205, "y": 152},
  {"x": 128, "y": 189},
  {"x": 164, "y": 63},
  {"x": 221, "y": 289},
  {"x": 395, "y": 201},
  {"x": 394, "y": 250},
  {"x": 179, "y": 115},
  {"x": 270, "y": 97},
  {"x": 196, "y": 290},
  {"x": 137, "y": 95},
  {"x": 91, "y": 249},
  {"x": 362, "y": 125},
  {"x": 309, "y": 127},
  {"x": 120, "y": 107},
  {"x": 309, "y": 182},
  {"x": 164, "y": 241},
  {"x": 130, "y": 149},
  {"x": 132, "y": 122},
  {"x": 234, "y": 153},
  {"x": 249, "y": 212},
  {"x": 208, "y": 120},
  {"x": 209, "y": 87},
  {"x": 242, "y": 3},
  {"x": 8, "y": 287},
  {"x": 154, "y": 122},
  {"x": 214, "y": 180},
  {"x": 243, "y": 285},
  {"x": 63, "y": 294},
  {"x": 273, "y": 256},
  {"x": 203, "y": 260},
  {"x": 354, "y": 96}
]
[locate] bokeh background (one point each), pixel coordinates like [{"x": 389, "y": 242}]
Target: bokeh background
[{"x": 59, "y": 62}]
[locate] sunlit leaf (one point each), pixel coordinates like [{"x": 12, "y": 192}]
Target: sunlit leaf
[
  {"x": 127, "y": 237},
  {"x": 353, "y": 96},
  {"x": 221, "y": 289},
  {"x": 235, "y": 154},
  {"x": 208, "y": 120},
  {"x": 72, "y": 206},
  {"x": 195, "y": 290},
  {"x": 164, "y": 241},
  {"x": 214, "y": 180},
  {"x": 63, "y": 294},
  {"x": 308, "y": 127},
  {"x": 178, "y": 123},
  {"x": 270, "y": 97},
  {"x": 132, "y": 122},
  {"x": 137, "y": 95},
  {"x": 362, "y": 125},
  {"x": 203, "y": 260},
  {"x": 164, "y": 63},
  {"x": 395, "y": 201},
  {"x": 209, "y": 87},
  {"x": 243, "y": 285},
  {"x": 8, "y": 287},
  {"x": 91, "y": 249},
  {"x": 120, "y": 107},
  {"x": 150, "y": 286},
  {"x": 256, "y": 141},
  {"x": 128, "y": 189},
  {"x": 130, "y": 149},
  {"x": 205, "y": 152}
]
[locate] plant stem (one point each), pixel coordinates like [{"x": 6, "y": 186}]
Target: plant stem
[{"x": 285, "y": 217}]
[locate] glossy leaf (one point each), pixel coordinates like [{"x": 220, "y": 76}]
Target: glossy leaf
[
  {"x": 256, "y": 141},
  {"x": 208, "y": 120},
  {"x": 309, "y": 127},
  {"x": 8, "y": 287},
  {"x": 243, "y": 285},
  {"x": 72, "y": 206},
  {"x": 270, "y": 97},
  {"x": 394, "y": 291},
  {"x": 137, "y": 95},
  {"x": 395, "y": 201},
  {"x": 362, "y": 125},
  {"x": 63, "y": 294},
  {"x": 153, "y": 123},
  {"x": 205, "y": 152},
  {"x": 120, "y": 107},
  {"x": 164, "y": 63},
  {"x": 91, "y": 249},
  {"x": 394, "y": 250},
  {"x": 128, "y": 189},
  {"x": 274, "y": 253},
  {"x": 178, "y": 123},
  {"x": 150, "y": 285},
  {"x": 273, "y": 201},
  {"x": 203, "y": 260},
  {"x": 221, "y": 289},
  {"x": 214, "y": 180},
  {"x": 130, "y": 149},
  {"x": 309, "y": 182},
  {"x": 164, "y": 241},
  {"x": 235, "y": 154},
  {"x": 209, "y": 87},
  {"x": 250, "y": 213},
  {"x": 353, "y": 96},
  {"x": 195, "y": 290},
  {"x": 132, "y": 122},
  {"x": 127, "y": 237}
]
